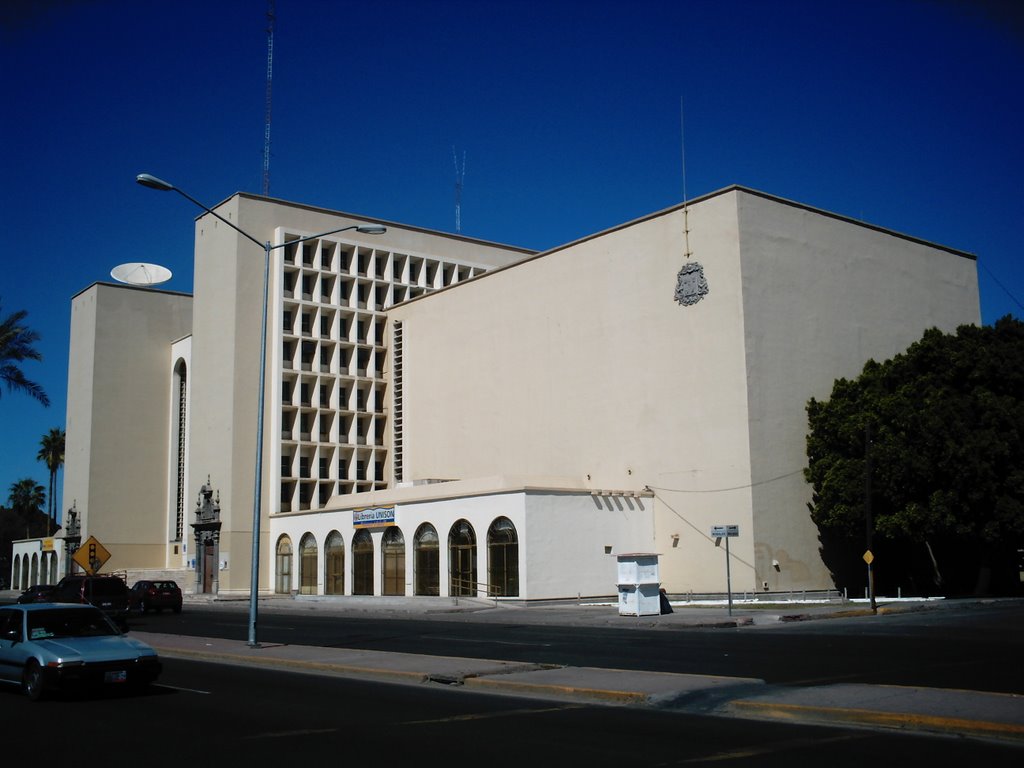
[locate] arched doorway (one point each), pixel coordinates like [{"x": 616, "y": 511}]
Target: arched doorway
[
  {"x": 283, "y": 567},
  {"x": 393, "y": 561},
  {"x": 502, "y": 559},
  {"x": 362, "y": 563},
  {"x": 426, "y": 561},
  {"x": 334, "y": 557},
  {"x": 462, "y": 559},
  {"x": 307, "y": 565},
  {"x": 17, "y": 572}
]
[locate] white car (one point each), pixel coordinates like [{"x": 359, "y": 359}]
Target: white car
[{"x": 50, "y": 646}]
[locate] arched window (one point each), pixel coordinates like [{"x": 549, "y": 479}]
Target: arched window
[
  {"x": 426, "y": 561},
  {"x": 307, "y": 565},
  {"x": 502, "y": 559},
  {"x": 25, "y": 584},
  {"x": 34, "y": 578},
  {"x": 334, "y": 557},
  {"x": 53, "y": 568},
  {"x": 462, "y": 559},
  {"x": 283, "y": 582},
  {"x": 180, "y": 444},
  {"x": 17, "y": 572},
  {"x": 362, "y": 563},
  {"x": 393, "y": 561}
]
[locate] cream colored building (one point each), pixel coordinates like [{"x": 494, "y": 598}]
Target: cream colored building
[
  {"x": 163, "y": 387},
  {"x": 583, "y": 363},
  {"x": 450, "y": 416}
]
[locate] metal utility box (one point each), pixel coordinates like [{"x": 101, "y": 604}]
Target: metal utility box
[{"x": 639, "y": 584}]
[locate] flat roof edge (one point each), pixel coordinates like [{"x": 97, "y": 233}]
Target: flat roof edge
[
  {"x": 375, "y": 220},
  {"x": 126, "y": 287},
  {"x": 695, "y": 201}
]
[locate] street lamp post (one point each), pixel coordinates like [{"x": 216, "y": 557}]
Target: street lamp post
[{"x": 153, "y": 182}]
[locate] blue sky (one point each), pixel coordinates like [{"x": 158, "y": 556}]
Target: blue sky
[{"x": 905, "y": 113}]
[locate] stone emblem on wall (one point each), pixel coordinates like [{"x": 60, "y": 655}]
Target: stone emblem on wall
[{"x": 691, "y": 286}]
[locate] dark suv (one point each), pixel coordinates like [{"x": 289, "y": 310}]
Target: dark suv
[{"x": 108, "y": 593}]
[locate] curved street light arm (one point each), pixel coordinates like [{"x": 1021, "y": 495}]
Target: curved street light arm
[
  {"x": 148, "y": 180},
  {"x": 365, "y": 229}
]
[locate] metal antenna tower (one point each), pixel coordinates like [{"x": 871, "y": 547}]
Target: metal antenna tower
[
  {"x": 460, "y": 174},
  {"x": 686, "y": 202},
  {"x": 270, "y": 82}
]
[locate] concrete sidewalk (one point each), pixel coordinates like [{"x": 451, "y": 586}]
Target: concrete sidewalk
[
  {"x": 911, "y": 709},
  {"x": 711, "y": 614}
]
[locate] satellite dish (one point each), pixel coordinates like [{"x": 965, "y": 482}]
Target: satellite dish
[{"x": 137, "y": 273}]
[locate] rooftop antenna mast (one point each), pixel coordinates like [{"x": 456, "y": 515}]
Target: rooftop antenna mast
[
  {"x": 270, "y": 81},
  {"x": 460, "y": 174},
  {"x": 686, "y": 206}
]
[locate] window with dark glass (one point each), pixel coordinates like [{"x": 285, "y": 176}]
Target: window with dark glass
[
  {"x": 307, "y": 565},
  {"x": 393, "y": 561},
  {"x": 502, "y": 559},
  {"x": 283, "y": 566},
  {"x": 362, "y": 563},
  {"x": 334, "y": 564},
  {"x": 462, "y": 559},
  {"x": 426, "y": 561}
]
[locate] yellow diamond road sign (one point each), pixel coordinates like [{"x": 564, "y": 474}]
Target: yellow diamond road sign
[
  {"x": 91, "y": 555},
  {"x": 868, "y": 557}
]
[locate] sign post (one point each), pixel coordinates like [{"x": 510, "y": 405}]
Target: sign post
[
  {"x": 726, "y": 532},
  {"x": 869, "y": 558}
]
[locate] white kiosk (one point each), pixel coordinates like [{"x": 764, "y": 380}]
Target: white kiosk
[{"x": 639, "y": 584}]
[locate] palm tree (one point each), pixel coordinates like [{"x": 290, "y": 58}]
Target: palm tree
[
  {"x": 16, "y": 346},
  {"x": 51, "y": 453},
  {"x": 26, "y": 499}
]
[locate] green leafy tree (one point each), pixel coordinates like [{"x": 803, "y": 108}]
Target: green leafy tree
[
  {"x": 51, "y": 453},
  {"x": 17, "y": 344},
  {"x": 26, "y": 500},
  {"x": 937, "y": 434}
]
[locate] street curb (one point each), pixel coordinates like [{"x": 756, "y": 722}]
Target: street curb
[
  {"x": 804, "y": 713},
  {"x": 564, "y": 691},
  {"x": 296, "y": 664}
]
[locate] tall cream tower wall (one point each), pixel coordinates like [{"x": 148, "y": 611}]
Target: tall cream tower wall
[
  {"x": 580, "y": 363},
  {"x": 821, "y": 296},
  {"x": 118, "y": 416}
]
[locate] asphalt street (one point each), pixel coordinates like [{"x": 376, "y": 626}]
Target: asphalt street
[{"x": 964, "y": 713}]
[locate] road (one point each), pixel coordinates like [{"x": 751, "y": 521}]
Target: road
[
  {"x": 972, "y": 646},
  {"x": 207, "y": 714}
]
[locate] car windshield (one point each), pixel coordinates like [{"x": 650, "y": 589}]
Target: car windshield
[{"x": 43, "y": 625}]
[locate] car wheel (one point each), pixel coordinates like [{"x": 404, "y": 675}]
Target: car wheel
[{"x": 32, "y": 681}]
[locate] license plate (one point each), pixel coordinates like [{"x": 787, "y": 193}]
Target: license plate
[{"x": 115, "y": 676}]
